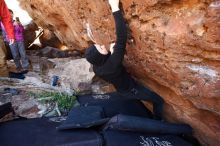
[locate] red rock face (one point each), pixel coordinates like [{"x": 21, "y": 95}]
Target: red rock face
[{"x": 174, "y": 48}]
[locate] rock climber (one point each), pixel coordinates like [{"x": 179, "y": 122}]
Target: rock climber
[{"x": 108, "y": 65}]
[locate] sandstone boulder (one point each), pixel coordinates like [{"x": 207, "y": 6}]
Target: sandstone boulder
[
  {"x": 30, "y": 33},
  {"x": 74, "y": 74},
  {"x": 52, "y": 52},
  {"x": 174, "y": 49},
  {"x": 50, "y": 39}
]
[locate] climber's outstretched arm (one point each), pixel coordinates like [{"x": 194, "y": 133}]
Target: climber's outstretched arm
[{"x": 121, "y": 33}]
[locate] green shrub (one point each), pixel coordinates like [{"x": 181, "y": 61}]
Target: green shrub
[{"x": 65, "y": 102}]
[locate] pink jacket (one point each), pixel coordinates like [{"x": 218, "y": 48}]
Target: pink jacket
[{"x": 19, "y": 32}]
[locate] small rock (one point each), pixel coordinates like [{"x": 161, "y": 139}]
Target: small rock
[
  {"x": 75, "y": 74},
  {"x": 12, "y": 91},
  {"x": 46, "y": 65},
  {"x": 51, "y": 52}
]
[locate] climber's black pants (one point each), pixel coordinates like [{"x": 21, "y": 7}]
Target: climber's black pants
[{"x": 142, "y": 93}]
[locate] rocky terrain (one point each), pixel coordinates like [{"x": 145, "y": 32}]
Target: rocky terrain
[{"x": 173, "y": 48}]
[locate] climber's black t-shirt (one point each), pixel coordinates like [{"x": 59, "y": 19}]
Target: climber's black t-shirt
[{"x": 113, "y": 70}]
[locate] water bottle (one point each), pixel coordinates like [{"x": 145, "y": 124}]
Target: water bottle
[{"x": 54, "y": 80}]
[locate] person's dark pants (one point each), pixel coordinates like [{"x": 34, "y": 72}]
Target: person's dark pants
[{"x": 142, "y": 93}]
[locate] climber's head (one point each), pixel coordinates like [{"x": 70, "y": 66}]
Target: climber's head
[{"x": 97, "y": 54}]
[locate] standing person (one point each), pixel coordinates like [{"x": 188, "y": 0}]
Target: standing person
[
  {"x": 6, "y": 20},
  {"x": 108, "y": 65},
  {"x": 18, "y": 49}
]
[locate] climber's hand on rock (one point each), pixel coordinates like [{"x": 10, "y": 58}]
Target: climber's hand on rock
[
  {"x": 114, "y": 5},
  {"x": 112, "y": 47}
]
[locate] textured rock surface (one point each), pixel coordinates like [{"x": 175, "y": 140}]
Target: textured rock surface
[
  {"x": 30, "y": 33},
  {"x": 174, "y": 49},
  {"x": 74, "y": 74},
  {"x": 22, "y": 104},
  {"x": 49, "y": 39}
]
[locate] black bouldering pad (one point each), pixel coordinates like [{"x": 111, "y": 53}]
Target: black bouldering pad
[
  {"x": 121, "y": 138},
  {"x": 42, "y": 132},
  {"x": 113, "y": 104}
]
